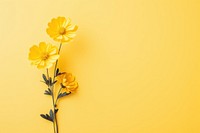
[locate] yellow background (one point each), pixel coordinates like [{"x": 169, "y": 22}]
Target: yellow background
[{"x": 137, "y": 63}]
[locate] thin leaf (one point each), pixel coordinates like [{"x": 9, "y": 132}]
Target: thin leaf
[
  {"x": 44, "y": 77},
  {"x": 43, "y": 116},
  {"x": 63, "y": 94},
  {"x": 46, "y": 81},
  {"x": 48, "y": 92},
  {"x": 54, "y": 82},
  {"x": 50, "y": 81},
  {"x": 47, "y": 117},
  {"x": 51, "y": 114},
  {"x": 57, "y": 71},
  {"x": 60, "y": 73}
]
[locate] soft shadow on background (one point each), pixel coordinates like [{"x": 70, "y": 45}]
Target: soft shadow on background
[{"x": 136, "y": 61}]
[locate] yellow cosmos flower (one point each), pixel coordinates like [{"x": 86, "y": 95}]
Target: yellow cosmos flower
[
  {"x": 61, "y": 29},
  {"x": 44, "y": 55},
  {"x": 68, "y": 81}
]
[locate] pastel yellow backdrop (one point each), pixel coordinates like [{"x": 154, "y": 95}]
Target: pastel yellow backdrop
[{"x": 137, "y": 63}]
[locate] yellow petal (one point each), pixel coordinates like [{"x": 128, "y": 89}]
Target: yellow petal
[
  {"x": 72, "y": 28},
  {"x": 36, "y": 62},
  {"x": 65, "y": 39},
  {"x": 70, "y": 77},
  {"x": 61, "y": 21},
  {"x": 71, "y": 35},
  {"x": 52, "y": 32},
  {"x": 43, "y": 47},
  {"x": 34, "y": 53},
  {"x": 54, "y": 25},
  {"x": 49, "y": 64},
  {"x": 53, "y": 58},
  {"x": 68, "y": 22},
  {"x": 41, "y": 65},
  {"x": 52, "y": 51}
]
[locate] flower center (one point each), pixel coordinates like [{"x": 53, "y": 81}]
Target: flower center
[
  {"x": 45, "y": 56},
  {"x": 62, "y": 31}
]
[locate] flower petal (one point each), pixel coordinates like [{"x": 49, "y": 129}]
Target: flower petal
[
  {"x": 71, "y": 35},
  {"x": 53, "y": 58},
  {"x": 43, "y": 47},
  {"x": 54, "y": 26},
  {"x": 44, "y": 55},
  {"x": 34, "y": 53},
  {"x": 72, "y": 28},
  {"x": 61, "y": 21}
]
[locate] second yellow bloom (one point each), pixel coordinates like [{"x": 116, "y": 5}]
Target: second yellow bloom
[{"x": 44, "y": 55}]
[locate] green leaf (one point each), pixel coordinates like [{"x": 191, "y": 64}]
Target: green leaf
[
  {"x": 48, "y": 92},
  {"x": 47, "y": 117},
  {"x": 57, "y": 71},
  {"x": 47, "y": 81},
  {"x": 63, "y": 94},
  {"x": 50, "y": 81},
  {"x": 51, "y": 114},
  {"x": 43, "y": 116},
  {"x": 45, "y": 78},
  {"x": 54, "y": 82}
]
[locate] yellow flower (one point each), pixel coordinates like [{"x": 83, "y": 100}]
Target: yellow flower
[
  {"x": 44, "y": 55},
  {"x": 61, "y": 29},
  {"x": 68, "y": 81}
]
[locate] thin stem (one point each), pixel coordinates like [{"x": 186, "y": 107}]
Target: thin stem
[
  {"x": 54, "y": 128},
  {"x": 54, "y": 122},
  {"x": 54, "y": 103},
  {"x": 52, "y": 98},
  {"x": 58, "y": 94},
  {"x": 47, "y": 73},
  {"x": 57, "y": 62}
]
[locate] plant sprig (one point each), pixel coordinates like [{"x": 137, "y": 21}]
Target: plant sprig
[
  {"x": 49, "y": 91},
  {"x": 45, "y": 55}
]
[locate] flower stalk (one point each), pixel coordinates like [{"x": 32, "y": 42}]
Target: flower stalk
[
  {"x": 46, "y": 55},
  {"x": 54, "y": 127},
  {"x": 55, "y": 101}
]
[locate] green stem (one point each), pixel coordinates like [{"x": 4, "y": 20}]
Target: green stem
[
  {"x": 58, "y": 94},
  {"x": 54, "y": 122},
  {"x": 57, "y": 62},
  {"x": 54, "y": 103},
  {"x": 52, "y": 100},
  {"x": 48, "y": 73}
]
